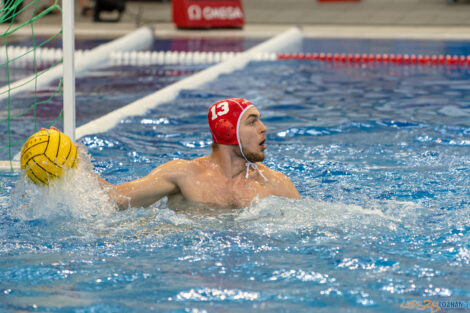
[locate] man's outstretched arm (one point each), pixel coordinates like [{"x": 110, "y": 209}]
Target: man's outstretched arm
[{"x": 147, "y": 190}]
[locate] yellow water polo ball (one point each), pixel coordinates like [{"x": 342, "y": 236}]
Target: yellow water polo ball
[{"x": 46, "y": 153}]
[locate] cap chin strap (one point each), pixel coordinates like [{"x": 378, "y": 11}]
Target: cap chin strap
[{"x": 248, "y": 164}]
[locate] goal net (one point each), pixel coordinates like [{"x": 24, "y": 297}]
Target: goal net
[{"x": 25, "y": 104}]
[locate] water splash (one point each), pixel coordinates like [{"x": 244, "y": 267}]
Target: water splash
[{"x": 77, "y": 195}]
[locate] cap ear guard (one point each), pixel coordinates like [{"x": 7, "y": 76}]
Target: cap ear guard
[
  {"x": 223, "y": 118},
  {"x": 224, "y": 130}
]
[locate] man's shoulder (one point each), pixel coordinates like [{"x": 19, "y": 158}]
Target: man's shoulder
[
  {"x": 175, "y": 164},
  {"x": 172, "y": 168},
  {"x": 279, "y": 183},
  {"x": 186, "y": 166},
  {"x": 273, "y": 174},
  {"x": 179, "y": 162}
]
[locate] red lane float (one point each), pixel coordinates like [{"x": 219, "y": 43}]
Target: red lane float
[{"x": 429, "y": 60}]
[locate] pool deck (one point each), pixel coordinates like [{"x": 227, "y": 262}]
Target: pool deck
[{"x": 414, "y": 19}]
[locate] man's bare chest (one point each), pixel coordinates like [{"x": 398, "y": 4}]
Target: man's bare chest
[{"x": 237, "y": 194}]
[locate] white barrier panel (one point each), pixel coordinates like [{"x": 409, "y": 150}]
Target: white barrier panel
[
  {"x": 97, "y": 57},
  {"x": 288, "y": 41}
]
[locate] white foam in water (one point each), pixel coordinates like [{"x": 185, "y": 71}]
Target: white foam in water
[
  {"x": 76, "y": 195},
  {"x": 78, "y": 200},
  {"x": 168, "y": 216},
  {"x": 274, "y": 215}
]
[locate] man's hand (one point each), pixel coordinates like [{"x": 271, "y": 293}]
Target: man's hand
[{"x": 52, "y": 127}]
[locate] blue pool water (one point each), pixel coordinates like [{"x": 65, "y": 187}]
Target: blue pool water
[
  {"x": 379, "y": 153},
  {"x": 100, "y": 92},
  {"x": 103, "y": 91}
]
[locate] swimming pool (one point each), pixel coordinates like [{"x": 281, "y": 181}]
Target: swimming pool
[
  {"x": 121, "y": 84},
  {"x": 380, "y": 154}
]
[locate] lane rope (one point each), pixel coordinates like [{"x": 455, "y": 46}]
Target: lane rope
[
  {"x": 143, "y": 58},
  {"x": 405, "y": 59}
]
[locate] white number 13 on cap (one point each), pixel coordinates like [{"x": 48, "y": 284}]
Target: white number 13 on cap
[{"x": 223, "y": 106}]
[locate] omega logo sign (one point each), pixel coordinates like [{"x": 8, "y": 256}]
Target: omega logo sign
[{"x": 211, "y": 13}]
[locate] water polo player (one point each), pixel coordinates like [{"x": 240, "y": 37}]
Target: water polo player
[{"x": 229, "y": 177}]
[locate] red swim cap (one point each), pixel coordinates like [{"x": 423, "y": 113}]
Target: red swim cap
[{"x": 224, "y": 117}]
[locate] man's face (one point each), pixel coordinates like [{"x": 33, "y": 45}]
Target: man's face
[{"x": 252, "y": 135}]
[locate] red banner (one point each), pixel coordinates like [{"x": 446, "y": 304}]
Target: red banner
[{"x": 208, "y": 13}]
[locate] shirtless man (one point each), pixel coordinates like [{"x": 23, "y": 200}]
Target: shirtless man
[{"x": 230, "y": 177}]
